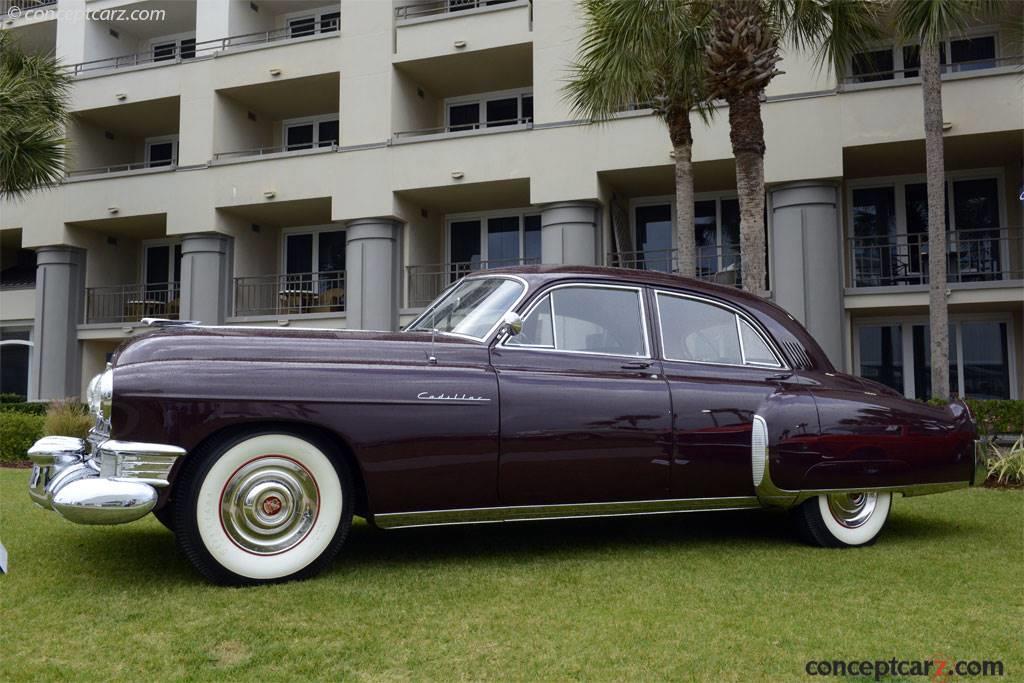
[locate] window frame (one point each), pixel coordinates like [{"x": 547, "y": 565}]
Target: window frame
[
  {"x": 177, "y": 39},
  {"x": 667, "y": 200},
  {"x": 899, "y": 184},
  {"x": 162, "y": 140},
  {"x": 314, "y": 231},
  {"x": 738, "y": 314},
  {"x": 907, "y": 325},
  {"x": 645, "y": 321},
  {"x": 316, "y": 14},
  {"x": 483, "y": 217},
  {"x": 491, "y": 333},
  {"x": 481, "y": 100},
  {"x": 170, "y": 243},
  {"x": 313, "y": 121},
  {"x": 949, "y": 68}
]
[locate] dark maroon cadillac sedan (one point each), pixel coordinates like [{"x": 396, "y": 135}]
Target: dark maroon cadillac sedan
[{"x": 523, "y": 393}]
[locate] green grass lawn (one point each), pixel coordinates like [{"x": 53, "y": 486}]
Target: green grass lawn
[{"x": 723, "y": 597}]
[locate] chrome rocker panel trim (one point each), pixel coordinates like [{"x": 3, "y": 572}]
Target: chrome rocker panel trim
[
  {"x": 99, "y": 481},
  {"x": 770, "y": 495},
  {"x": 524, "y": 513}
]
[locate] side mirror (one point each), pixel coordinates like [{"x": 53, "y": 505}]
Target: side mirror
[{"x": 511, "y": 324}]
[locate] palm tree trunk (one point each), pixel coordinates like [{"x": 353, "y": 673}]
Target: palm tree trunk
[
  {"x": 682, "y": 145},
  {"x": 746, "y": 130},
  {"x": 938, "y": 314}
]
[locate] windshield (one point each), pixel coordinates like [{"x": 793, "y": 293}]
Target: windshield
[{"x": 471, "y": 308}]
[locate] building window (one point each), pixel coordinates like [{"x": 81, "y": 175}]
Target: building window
[
  {"x": 162, "y": 151},
  {"x": 310, "y": 132},
  {"x": 161, "y": 271},
  {"x": 889, "y": 226},
  {"x": 324, "y": 20},
  {"x": 716, "y": 231},
  {"x": 171, "y": 47},
  {"x": 314, "y": 261},
  {"x": 476, "y": 242},
  {"x": 980, "y": 357},
  {"x": 488, "y": 110},
  {"x": 969, "y": 53},
  {"x": 15, "y": 349}
]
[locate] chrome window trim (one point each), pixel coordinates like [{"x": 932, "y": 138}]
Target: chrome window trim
[
  {"x": 738, "y": 313},
  {"x": 644, "y": 322},
  {"x": 743, "y": 349},
  {"x": 490, "y": 333}
]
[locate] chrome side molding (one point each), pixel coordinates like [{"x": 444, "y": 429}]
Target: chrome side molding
[{"x": 523, "y": 513}]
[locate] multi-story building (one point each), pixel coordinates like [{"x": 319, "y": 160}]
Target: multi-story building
[{"x": 337, "y": 163}]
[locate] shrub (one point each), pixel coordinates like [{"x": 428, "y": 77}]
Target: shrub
[
  {"x": 1008, "y": 468},
  {"x": 11, "y": 398},
  {"x": 18, "y": 432},
  {"x": 68, "y": 417},
  {"x": 24, "y": 408},
  {"x": 998, "y": 416}
]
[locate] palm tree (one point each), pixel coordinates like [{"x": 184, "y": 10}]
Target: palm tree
[
  {"x": 741, "y": 60},
  {"x": 34, "y": 93},
  {"x": 928, "y": 23},
  {"x": 648, "y": 52}
]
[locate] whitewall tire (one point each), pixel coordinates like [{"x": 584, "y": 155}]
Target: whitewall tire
[
  {"x": 262, "y": 508},
  {"x": 844, "y": 519}
]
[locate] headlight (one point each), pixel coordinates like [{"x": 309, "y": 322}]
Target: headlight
[{"x": 100, "y": 394}]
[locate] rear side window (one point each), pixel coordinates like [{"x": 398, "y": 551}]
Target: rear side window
[
  {"x": 586, "y": 319},
  {"x": 701, "y": 332}
]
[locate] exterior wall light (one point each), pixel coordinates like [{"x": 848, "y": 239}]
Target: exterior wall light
[
  {"x": 274, "y": 71},
  {"x": 269, "y": 194},
  {"x": 459, "y": 44},
  {"x": 457, "y": 175},
  {"x": 112, "y": 209},
  {"x": 121, "y": 97}
]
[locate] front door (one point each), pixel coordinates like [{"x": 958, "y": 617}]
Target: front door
[
  {"x": 585, "y": 412},
  {"x": 720, "y": 369}
]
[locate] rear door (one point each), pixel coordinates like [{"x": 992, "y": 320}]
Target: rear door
[
  {"x": 585, "y": 413},
  {"x": 720, "y": 367}
]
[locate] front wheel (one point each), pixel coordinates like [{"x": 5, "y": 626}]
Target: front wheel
[
  {"x": 842, "y": 520},
  {"x": 263, "y": 508}
]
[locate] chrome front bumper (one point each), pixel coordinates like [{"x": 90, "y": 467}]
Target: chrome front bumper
[{"x": 99, "y": 481}]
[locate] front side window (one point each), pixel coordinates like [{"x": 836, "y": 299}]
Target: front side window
[
  {"x": 701, "y": 332},
  {"x": 472, "y": 308},
  {"x": 587, "y": 319}
]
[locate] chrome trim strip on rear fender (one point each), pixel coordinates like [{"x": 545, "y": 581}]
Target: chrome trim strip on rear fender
[{"x": 523, "y": 513}]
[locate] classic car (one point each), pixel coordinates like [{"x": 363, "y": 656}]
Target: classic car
[{"x": 519, "y": 394}]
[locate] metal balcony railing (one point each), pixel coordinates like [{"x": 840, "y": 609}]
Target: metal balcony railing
[
  {"x": 715, "y": 263},
  {"x": 464, "y": 128},
  {"x": 290, "y": 294},
  {"x": 899, "y": 75},
  {"x": 133, "y": 302},
  {"x": 325, "y": 145},
  {"x": 426, "y": 281},
  {"x": 417, "y": 10},
  {"x": 977, "y": 255},
  {"x": 207, "y": 48},
  {"x": 169, "y": 164},
  {"x": 19, "y": 6}
]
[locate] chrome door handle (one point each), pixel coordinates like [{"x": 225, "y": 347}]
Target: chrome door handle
[{"x": 636, "y": 365}]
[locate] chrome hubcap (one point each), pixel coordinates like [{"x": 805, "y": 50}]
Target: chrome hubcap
[
  {"x": 852, "y": 509},
  {"x": 269, "y": 505}
]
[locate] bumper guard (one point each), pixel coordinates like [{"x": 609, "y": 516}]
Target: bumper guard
[{"x": 99, "y": 481}]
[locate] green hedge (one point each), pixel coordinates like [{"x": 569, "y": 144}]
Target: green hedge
[
  {"x": 998, "y": 417},
  {"x": 11, "y": 398},
  {"x": 18, "y": 431},
  {"x": 23, "y": 408}
]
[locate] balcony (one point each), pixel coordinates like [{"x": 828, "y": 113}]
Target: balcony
[
  {"x": 442, "y": 9},
  {"x": 290, "y": 294},
  {"x": 127, "y": 138},
  {"x": 454, "y": 28},
  {"x": 965, "y": 69},
  {"x": 972, "y": 256},
  {"x": 20, "y": 6},
  {"x": 426, "y": 282},
  {"x": 132, "y": 302},
  {"x": 719, "y": 264}
]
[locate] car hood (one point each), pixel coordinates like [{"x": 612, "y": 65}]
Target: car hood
[{"x": 199, "y": 343}]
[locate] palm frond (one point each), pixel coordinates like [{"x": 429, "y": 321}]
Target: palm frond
[{"x": 931, "y": 21}]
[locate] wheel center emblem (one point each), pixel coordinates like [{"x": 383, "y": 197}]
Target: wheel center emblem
[{"x": 272, "y": 505}]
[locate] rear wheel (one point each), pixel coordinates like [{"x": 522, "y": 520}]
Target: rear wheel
[
  {"x": 842, "y": 520},
  {"x": 263, "y": 508}
]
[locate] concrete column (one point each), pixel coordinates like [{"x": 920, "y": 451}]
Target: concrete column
[
  {"x": 806, "y": 260},
  {"x": 371, "y": 274},
  {"x": 569, "y": 233},
  {"x": 205, "y": 277},
  {"x": 60, "y": 293}
]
